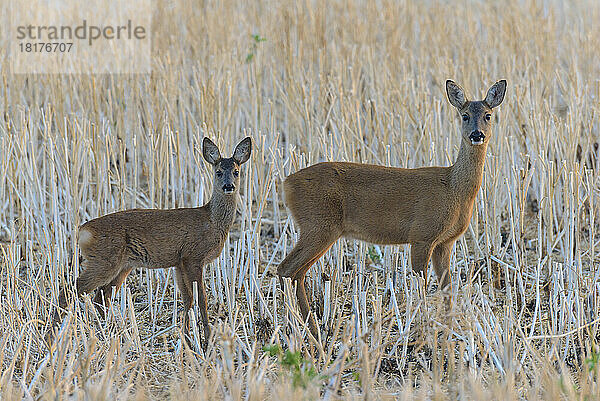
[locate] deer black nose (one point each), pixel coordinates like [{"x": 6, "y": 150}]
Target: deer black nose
[
  {"x": 228, "y": 188},
  {"x": 477, "y": 137}
]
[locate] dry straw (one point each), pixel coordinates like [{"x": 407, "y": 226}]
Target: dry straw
[{"x": 352, "y": 80}]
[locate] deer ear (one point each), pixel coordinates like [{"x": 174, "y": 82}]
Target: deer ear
[
  {"x": 456, "y": 94},
  {"x": 495, "y": 94},
  {"x": 243, "y": 150},
  {"x": 210, "y": 151}
]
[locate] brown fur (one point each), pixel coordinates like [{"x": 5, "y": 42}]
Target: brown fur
[
  {"x": 428, "y": 207},
  {"x": 186, "y": 238}
]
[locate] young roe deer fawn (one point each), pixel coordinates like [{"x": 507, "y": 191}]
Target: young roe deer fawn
[
  {"x": 187, "y": 238},
  {"x": 428, "y": 208}
]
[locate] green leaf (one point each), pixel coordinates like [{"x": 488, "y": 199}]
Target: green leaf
[
  {"x": 257, "y": 38},
  {"x": 272, "y": 350},
  {"x": 292, "y": 359}
]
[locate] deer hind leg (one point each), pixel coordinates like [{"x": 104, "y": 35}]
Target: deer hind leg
[
  {"x": 310, "y": 247},
  {"x": 441, "y": 262},
  {"x": 104, "y": 293},
  {"x": 96, "y": 273},
  {"x": 100, "y": 273}
]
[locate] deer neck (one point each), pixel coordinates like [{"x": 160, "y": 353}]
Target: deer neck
[
  {"x": 467, "y": 171},
  {"x": 222, "y": 209}
]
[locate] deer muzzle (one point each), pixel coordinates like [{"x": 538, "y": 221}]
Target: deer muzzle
[
  {"x": 228, "y": 188},
  {"x": 477, "y": 137}
]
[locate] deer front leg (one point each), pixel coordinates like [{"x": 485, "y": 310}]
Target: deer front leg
[
  {"x": 186, "y": 294},
  {"x": 194, "y": 272},
  {"x": 202, "y": 304},
  {"x": 441, "y": 263},
  {"x": 420, "y": 253}
]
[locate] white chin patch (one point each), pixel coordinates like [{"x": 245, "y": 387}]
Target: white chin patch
[{"x": 474, "y": 142}]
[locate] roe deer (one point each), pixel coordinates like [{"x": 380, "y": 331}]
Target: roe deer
[
  {"x": 187, "y": 238},
  {"x": 428, "y": 208}
]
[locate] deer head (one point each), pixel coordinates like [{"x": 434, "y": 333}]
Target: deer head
[{"x": 476, "y": 115}]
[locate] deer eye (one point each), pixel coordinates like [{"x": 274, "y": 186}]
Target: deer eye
[
  {"x": 488, "y": 117},
  {"x": 236, "y": 173},
  {"x": 219, "y": 173},
  {"x": 465, "y": 117}
]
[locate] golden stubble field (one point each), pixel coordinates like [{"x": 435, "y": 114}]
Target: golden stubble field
[{"x": 352, "y": 80}]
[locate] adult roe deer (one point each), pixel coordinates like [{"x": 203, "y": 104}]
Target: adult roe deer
[
  {"x": 428, "y": 208},
  {"x": 187, "y": 238}
]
